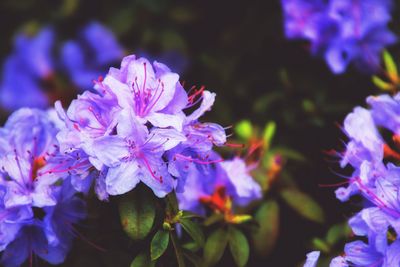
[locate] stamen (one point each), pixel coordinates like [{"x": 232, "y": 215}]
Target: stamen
[
  {"x": 198, "y": 161},
  {"x": 377, "y": 200},
  {"x": 79, "y": 235},
  {"x": 153, "y": 173},
  {"x": 147, "y": 110},
  {"x": 233, "y": 145},
  {"x": 195, "y": 96},
  {"x": 334, "y": 185}
]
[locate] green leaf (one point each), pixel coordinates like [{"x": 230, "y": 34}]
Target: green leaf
[
  {"x": 308, "y": 106},
  {"x": 172, "y": 40},
  {"x": 241, "y": 218},
  {"x": 214, "y": 218},
  {"x": 188, "y": 214},
  {"x": 265, "y": 237},
  {"x": 321, "y": 245},
  {"x": 244, "y": 129},
  {"x": 142, "y": 260},
  {"x": 336, "y": 233},
  {"x": 193, "y": 258},
  {"x": 239, "y": 246},
  {"x": 381, "y": 83},
  {"x": 269, "y": 132},
  {"x": 191, "y": 246},
  {"x": 137, "y": 213},
  {"x": 159, "y": 244},
  {"x": 182, "y": 14},
  {"x": 390, "y": 65},
  {"x": 193, "y": 230},
  {"x": 69, "y": 6},
  {"x": 178, "y": 250},
  {"x": 215, "y": 246},
  {"x": 303, "y": 204}
]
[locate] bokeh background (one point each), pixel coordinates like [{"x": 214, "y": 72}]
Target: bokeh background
[{"x": 238, "y": 50}]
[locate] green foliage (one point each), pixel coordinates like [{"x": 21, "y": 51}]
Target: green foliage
[
  {"x": 336, "y": 233},
  {"x": 194, "y": 230},
  {"x": 178, "y": 250},
  {"x": 215, "y": 246},
  {"x": 390, "y": 65},
  {"x": 137, "y": 213},
  {"x": 269, "y": 132},
  {"x": 214, "y": 218},
  {"x": 239, "y": 246},
  {"x": 159, "y": 244},
  {"x": 142, "y": 260},
  {"x": 303, "y": 204},
  {"x": 193, "y": 258},
  {"x": 266, "y": 235},
  {"x": 391, "y": 74},
  {"x": 244, "y": 129},
  {"x": 381, "y": 83},
  {"x": 321, "y": 245}
]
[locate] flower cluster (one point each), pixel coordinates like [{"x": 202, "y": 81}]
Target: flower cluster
[
  {"x": 31, "y": 73},
  {"x": 373, "y": 153},
  {"x": 38, "y": 205},
  {"x": 137, "y": 125},
  {"x": 140, "y": 125},
  {"x": 218, "y": 188},
  {"x": 341, "y": 31}
]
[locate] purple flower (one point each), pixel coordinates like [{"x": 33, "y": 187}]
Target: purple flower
[
  {"x": 386, "y": 111},
  {"x": 376, "y": 177},
  {"x": 153, "y": 93},
  {"x": 342, "y": 31},
  {"x": 89, "y": 57},
  {"x": 31, "y": 143},
  {"x": 312, "y": 259},
  {"x": 203, "y": 136},
  {"x": 90, "y": 116},
  {"x": 363, "y": 34},
  {"x": 49, "y": 237},
  {"x": 364, "y": 151},
  {"x": 38, "y": 205},
  {"x": 365, "y": 140},
  {"x": 11, "y": 220},
  {"x": 302, "y": 18},
  {"x": 26, "y": 70},
  {"x": 245, "y": 188},
  {"x": 361, "y": 254},
  {"x": 135, "y": 155},
  {"x": 338, "y": 261},
  {"x": 214, "y": 184},
  {"x": 133, "y": 128}
]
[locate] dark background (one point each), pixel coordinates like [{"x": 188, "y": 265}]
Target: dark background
[{"x": 238, "y": 50}]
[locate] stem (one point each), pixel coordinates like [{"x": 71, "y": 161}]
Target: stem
[{"x": 178, "y": 250}]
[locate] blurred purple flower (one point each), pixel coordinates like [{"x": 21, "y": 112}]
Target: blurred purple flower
[
  {"x": 90, "y": 56},
  {"x": 302, "y": 18},
  {"x": 26, "y": 70},
  {"x": 342, "y": 31}
]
